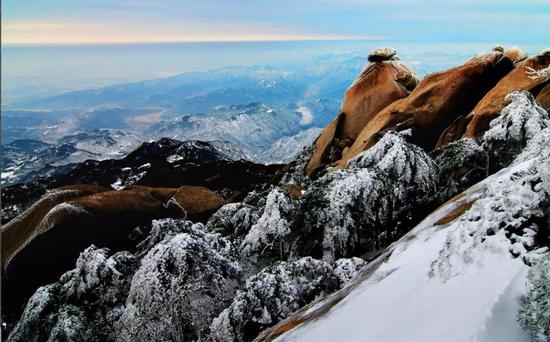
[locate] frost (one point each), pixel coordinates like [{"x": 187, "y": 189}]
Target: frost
[
  {"x": 520, "y": 131},
  {"x": 234, "y": 219},
  {"x": 461, "y": 163},
  {"x": 166, "y": 229},
  {"x": 272, "y": 295},
  {"x": 542, "y": 73},
  {"x": 534, "y": 315},
  {"x": 99, "y": 282},
  {"x": 465, "y": 276},
  {"x": 509, "y": 207},
  {"x": 509, "y": 133},
  {"x": 361, "y": 208},
  {"x": 181, "y": 284},
  {"x": 171, "y": 288},
  {"x": 347, "y": 269},
  {"x": 296, "y": 175},
  {"x": 273, "y": 226},
  {"x": 459, "y": 267}
]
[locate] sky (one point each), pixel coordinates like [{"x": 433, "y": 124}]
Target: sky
[{"x": 55, "y": 22}]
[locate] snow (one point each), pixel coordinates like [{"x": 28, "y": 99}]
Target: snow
[
  {"x": 346, "y": 269},
  {"x": 462, "y": 280},
  {"x": 449, "y": 279},
  {"x": 182, "y": 283},
  {"x": 432, "y": 275},
  {"x": 272, "y": 226},
  {"x": 521, "y": 120},
  {"x": 265, "y": 134},
  {"x": 271, "y": 295},
  {"x": 534, "y": 315},
  {"x": 542, "y": 73},
  {"x": 129, "y": 177},
  {"x": 367, "y": 200},
  {"x": 285, "y": 149}
]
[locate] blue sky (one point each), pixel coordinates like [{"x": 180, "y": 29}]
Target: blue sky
[{"x": 102, "y": 21}]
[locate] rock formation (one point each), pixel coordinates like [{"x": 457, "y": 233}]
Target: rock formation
[
  {"x": 523, "y": 77},
  {"x": 384, "y": 80},
  {"x": 435, "y": 103}
]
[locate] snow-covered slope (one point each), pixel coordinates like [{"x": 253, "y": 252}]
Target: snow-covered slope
[
  {"x": 460, "y": 274},
  {"x": 453, "y": 281}
]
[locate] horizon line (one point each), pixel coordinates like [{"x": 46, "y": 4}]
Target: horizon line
[{"x": 191, "y": 41}]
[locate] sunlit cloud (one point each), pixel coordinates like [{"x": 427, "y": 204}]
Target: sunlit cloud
[{"x": 14, "y": 33}]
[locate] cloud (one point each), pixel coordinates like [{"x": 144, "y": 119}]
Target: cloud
[
  {"x": 307, "y": 116},
  {"x": 129, "y": 21},
  {"x": 42, "y": 32}
]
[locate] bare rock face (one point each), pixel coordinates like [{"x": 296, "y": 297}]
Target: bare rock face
[
  {"x": 526, "y": 75},
  {"x": 71, "y": 202},
  {"x": 18, "y": 232},
  {"x": 384, "y": 80},
  {"x": 435, "y": 103}
]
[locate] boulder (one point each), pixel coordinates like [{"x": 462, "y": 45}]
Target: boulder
[{"x": 21, "y": 230}]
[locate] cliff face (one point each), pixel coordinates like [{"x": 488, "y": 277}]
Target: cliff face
[{"x": 187, "y": 244}]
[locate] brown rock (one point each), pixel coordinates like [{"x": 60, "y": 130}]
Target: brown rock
[
  {"x": 543, "y": 97},
  {"x": 384, "y": 80},
  {"x": 515, "y": 54},
  {"x": 477, "y": 121},
  {"x": 23, "y": 228},
  {"x": 293, "y": 190},
  {"x": 198, "y": 200},
  {"x": 435, "y": 103},
  {"x": 81, "y": 201}
]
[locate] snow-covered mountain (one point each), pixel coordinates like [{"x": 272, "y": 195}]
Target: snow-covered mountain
[
  {"x": 387, "y": 238},
  {"x": 266, "y": 134},
  {"x": 25, "y": 159},
  {"x": 462, "y": 271},
  {"x": 254, "y": 132},
  {"x": 303, "y": 99}
]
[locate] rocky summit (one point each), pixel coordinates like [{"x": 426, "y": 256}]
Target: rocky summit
[{"x": 423, "y": 204}]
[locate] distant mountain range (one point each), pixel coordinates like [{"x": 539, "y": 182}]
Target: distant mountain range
[{"x": 267, "y": 113}]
